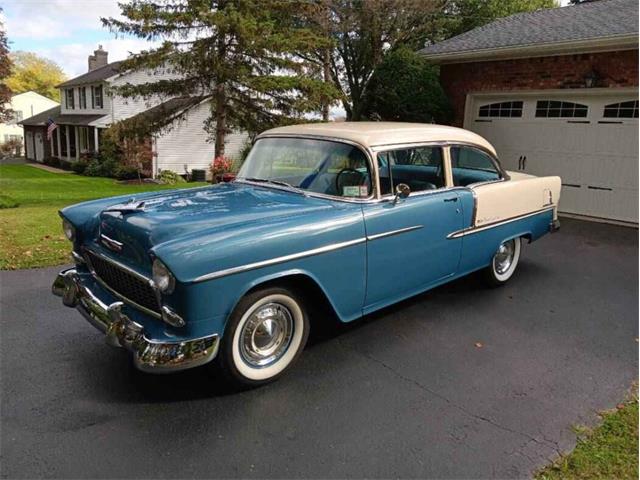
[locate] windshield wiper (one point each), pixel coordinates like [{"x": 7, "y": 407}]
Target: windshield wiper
[{"x": 280, "y": 183}]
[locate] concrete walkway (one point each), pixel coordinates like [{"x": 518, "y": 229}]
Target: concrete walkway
[{"x": 48, "y": 168}]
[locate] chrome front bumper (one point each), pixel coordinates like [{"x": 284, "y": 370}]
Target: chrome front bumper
[{"x": 121, "y": 331}]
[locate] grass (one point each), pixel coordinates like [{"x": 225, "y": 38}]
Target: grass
[
  {"x": 609, "y": 451},
  {"x": 30, "y": 232}
]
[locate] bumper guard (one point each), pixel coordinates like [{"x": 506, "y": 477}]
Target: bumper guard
[{"x": 148, "y": 355}]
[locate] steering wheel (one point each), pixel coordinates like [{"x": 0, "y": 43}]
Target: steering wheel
[{"x": 343, "y": 171}]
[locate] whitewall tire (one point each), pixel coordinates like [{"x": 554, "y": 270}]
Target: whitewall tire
[
  {"x": 504, "y": 262},
  {"x": 266, "y": 333}
]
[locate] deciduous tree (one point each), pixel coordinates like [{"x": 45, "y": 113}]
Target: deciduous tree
[
  {"x": 31, "y": 72},
  {"x": 406, "y": 88},
  {"x": 5, "y": 70}
]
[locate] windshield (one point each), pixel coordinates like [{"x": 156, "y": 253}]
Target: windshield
[{"x": 320, "y": 166}]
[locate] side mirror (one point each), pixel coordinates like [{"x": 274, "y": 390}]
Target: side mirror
[{"x": 402, "y": 191}]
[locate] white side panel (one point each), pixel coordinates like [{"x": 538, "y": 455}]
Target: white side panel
[
  {"x": 127, "y": 107},
  {"x": 503, "y": 200},
  {"x": 186, "y": 143}
]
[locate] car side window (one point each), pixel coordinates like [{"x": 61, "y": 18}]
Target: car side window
[
  {"x": 471, "y": 165},
  {"x": 421, "y": 168}
]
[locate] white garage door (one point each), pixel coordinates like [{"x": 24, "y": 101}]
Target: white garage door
[{"x": 590, "y": 140}]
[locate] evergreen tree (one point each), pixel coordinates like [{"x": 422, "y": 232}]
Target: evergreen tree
[{"x": 237, "y": 53}]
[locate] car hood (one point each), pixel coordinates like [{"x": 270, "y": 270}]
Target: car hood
[{"x": 133, "y": 228}]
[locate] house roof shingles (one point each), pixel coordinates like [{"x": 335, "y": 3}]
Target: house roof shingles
[
  {"x": 41, "y": 118},
  {"x": 586, "y": 21},
  {"x": 96, "y": 75}
]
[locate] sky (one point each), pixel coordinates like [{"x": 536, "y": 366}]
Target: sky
[{"x": 68, "y": 31}]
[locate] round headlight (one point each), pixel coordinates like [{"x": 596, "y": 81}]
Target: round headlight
[
  {"x": 69, "y": 230},
  {"x": 162, "y": 277}
]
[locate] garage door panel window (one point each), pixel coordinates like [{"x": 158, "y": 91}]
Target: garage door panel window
[
  {"x": 627, "y": 109},
  {"x": 470, "y": 165},
  {"x": 501, "y": 110},
  {"x": 560, "y": 109}
]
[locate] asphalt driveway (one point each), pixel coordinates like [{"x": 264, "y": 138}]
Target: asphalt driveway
[{"x": 462, "y": 381}]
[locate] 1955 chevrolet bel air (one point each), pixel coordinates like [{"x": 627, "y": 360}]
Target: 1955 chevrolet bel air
[{"x": 356, "y": 215}]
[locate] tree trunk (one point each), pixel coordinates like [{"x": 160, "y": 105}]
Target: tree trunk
[
  {"x": 221, "y": 119},
  {"x": 326, "y": 67}
]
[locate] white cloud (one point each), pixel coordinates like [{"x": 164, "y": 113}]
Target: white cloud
[
  {"x": 42, "y": 19},
  {"x": 72, "y": 57}
]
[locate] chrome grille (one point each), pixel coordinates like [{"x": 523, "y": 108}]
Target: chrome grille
[{"x": 126, "y": 284}]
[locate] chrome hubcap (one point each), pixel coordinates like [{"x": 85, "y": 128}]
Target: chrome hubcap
[
  {"x": 504, "y": 257},
  {"x": 266, "y": 335}
]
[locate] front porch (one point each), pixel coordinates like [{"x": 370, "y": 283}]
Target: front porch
[{"x": 71, "y": 142}]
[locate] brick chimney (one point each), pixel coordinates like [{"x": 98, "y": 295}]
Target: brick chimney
[{"x": 98, "y": 59}]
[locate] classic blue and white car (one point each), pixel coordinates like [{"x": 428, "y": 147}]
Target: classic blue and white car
[{"x": 354, "y": 215}]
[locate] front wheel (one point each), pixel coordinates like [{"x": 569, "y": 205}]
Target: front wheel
[
  {"x": 504, "y": 262},
  {"x": 266, "y": 333}
]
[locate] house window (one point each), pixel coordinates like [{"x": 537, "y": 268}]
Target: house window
[
  {"x": 83, "y": 97},
  {"x": 621, "y": 110},
  {"x": 69, "y": 100},
  {"x": 96, "y": 96},
  {"x": 558, "y": 109},
  {"x": 502, "y": 109}
]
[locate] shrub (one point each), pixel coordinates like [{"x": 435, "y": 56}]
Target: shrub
[
  {"x": 52, "y": 162},
  {"x": 80, "y": 166},
  {"x": 169, "y": 177},
  {"x": 125, "y": 172},
  {"x": 66, "y": 165},
  {"x": 7, "y": 202},
  {"x": 100, "y": 168}
]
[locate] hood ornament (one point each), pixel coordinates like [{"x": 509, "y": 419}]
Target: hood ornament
[{"x": 128, "y": 207}]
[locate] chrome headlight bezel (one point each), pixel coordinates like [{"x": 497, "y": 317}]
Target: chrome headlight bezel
[
  {"x": 162, "y": 277},
  {"x": 69, "y": 230}
]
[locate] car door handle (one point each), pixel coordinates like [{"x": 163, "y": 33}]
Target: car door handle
[{"x": 452, "y": 199}]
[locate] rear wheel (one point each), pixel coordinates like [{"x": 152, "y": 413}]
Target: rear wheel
[
  {"x": 504, "y": 262},
  {"x": 266, "y": 333}
]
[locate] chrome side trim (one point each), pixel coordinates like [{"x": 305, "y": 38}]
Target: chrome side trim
[
  {"x": 393, "y": 232},
  {"x": 110, "y": 243},
  {"x": 276, "y": 260},
  {"x": 472, "y": 230}
]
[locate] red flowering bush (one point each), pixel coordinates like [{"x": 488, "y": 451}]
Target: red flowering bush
[{"x": 221, "y": 165}]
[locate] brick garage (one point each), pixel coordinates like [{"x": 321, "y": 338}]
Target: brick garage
[
  {"x": 556, "y": 92},
  {"x": 612, "y": 69}
]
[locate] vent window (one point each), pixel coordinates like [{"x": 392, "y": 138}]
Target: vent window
[
  {"x": 621, "y": 110},
  {"x": 558, "y": 109},
  {"x": 502, "y": 109}
]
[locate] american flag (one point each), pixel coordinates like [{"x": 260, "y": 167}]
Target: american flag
[{"x": 51, "y": 126}]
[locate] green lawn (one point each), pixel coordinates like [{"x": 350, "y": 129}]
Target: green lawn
[
  {"x": 609, "y": 451},
  {"x": 31, "y": 234}
]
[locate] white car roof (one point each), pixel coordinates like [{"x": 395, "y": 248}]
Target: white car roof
[{"x": 377, "y": 134}]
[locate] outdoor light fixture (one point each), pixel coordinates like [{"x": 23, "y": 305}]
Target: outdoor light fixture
[{"x": 590, "y": 79}]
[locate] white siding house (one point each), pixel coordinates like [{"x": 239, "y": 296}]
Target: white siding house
[
  {"x": 186, "y": 145},
  {"x": 24, "y": 105},
  {"x": 90, "y": 105}
]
